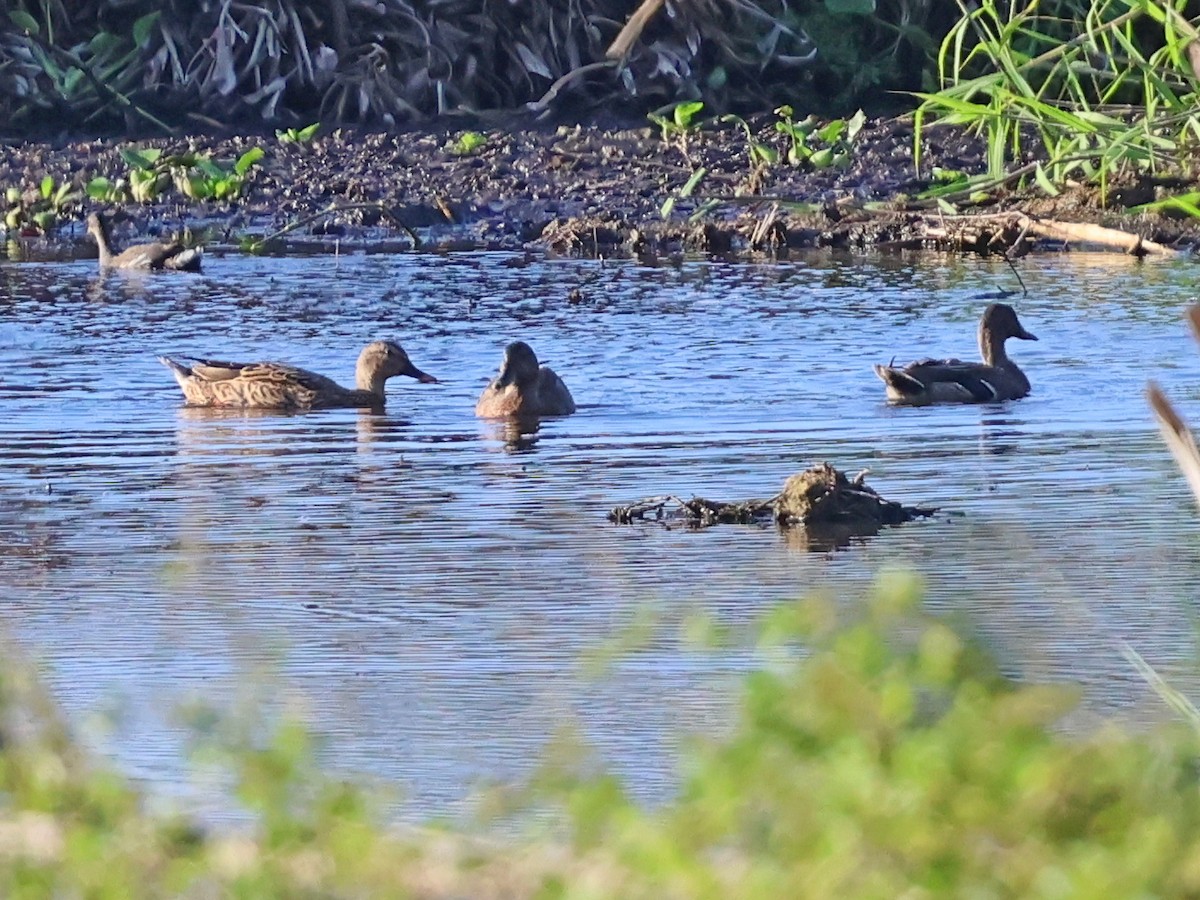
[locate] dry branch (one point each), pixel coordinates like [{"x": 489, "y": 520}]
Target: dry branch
[{"x": 624, "y": 41}]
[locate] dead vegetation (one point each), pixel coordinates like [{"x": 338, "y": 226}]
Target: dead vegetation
[
  {"x": 820, "y": 500},
  {"x": 295, "y": 61}
]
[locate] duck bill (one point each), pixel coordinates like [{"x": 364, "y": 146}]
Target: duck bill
[
  {"x": 423, "y": 377},
  {"x": 1026, "y": 335}
]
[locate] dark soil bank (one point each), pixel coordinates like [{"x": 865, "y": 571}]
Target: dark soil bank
[{"x": 572, "y": 188}]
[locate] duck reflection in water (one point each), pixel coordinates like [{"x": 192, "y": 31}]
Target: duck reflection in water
[{"x": 517, "y": 434}]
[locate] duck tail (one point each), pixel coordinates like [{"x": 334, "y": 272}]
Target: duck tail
[
  {"x": 898, "y": 381},
  {"x": 186, "y": 260}
]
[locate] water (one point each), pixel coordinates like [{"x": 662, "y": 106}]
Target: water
[{"x": 420, "y": 585}]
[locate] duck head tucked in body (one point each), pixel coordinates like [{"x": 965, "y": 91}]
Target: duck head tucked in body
[
  {"x": 523, "y": 388},
  {"x": 268, "y": 385},
  {"x": 954, "y": 381},
  {"x": 155, "y": 255}
]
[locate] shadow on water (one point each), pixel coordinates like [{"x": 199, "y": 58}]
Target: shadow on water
[{"x": 424, "y": 582}]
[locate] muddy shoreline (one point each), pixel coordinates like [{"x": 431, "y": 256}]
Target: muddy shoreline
[{"x": 594, "y": 189}]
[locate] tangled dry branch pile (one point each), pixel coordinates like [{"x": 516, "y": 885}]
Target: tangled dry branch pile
[
  {"x": 820, "y": 499},
  {"x": 92, "y": 62}
]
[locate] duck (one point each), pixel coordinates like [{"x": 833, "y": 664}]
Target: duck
[
  {"x": 155, "y": 255},
  {"x": 524, "y": 388},
  {"x": 997, "y": 378},
  {"x": 272, "y": 385}
]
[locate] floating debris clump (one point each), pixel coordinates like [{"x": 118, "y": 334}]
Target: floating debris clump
[{"x": 820, "y": 499}]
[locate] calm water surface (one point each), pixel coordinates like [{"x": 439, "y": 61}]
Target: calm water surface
[{"x": 421, "y": 584}]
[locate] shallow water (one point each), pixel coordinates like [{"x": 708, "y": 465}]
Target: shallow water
[{"x": 421, "y": 584}]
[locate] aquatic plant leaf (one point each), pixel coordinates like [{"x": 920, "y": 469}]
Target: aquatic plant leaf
[
  {"x": 686, "y": 111},
  {"x": 855, "y": 124},
  {"x": 247, "y": 159},
  {"x": 98, "y": 188},
  {"x": 143, "y": 26},
  {"x": 141, "y": 159},
  {"x": 24, "y": 21},
  {"x": 210, "y": 168}
]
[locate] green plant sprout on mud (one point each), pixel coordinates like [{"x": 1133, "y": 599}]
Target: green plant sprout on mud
[
  {"x": 38, "y": 210},
  {"x": 468, "y": 143},
  {"x": 298, "y": 136},
  {"x": 760, "y": 156},
  {"x": 196, "y": 176},
  {"x": 819, "y": 147},
  {"x": 209, "y": 179},
  {"x": 147, "y": 177},
  {"x": 683, "y": 193},
  {"x": 680, "y": 124}
]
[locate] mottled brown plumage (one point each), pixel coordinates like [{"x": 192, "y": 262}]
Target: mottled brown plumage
[
  {"x": 155, "y": 255},
  {"x": 268, "y": 385},
  {"x": 954, "y": 381},
  {"x": 522, "y": 388}
]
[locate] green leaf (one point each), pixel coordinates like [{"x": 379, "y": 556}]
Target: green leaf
[
  {"x": 822, "y": 159},
  {"x": 72, "y": 78},
  {"x": 142, "y": 27},
  {"x": 851, "y": 7},
  {"x": 247, "y": 159},
  {"x": 103, "y": 43},
  {"x": 667, "y": 207},
  {"x": 24, "y": 21},
  {"x": 98, "y": 188},
  {"x": 141, "y": 159},
  {"x": 855, "y": 125},
  {"x": 686, "y": 111},
  {"x": 46, "y": 187},
  {"x": 764, "y": 153},
  {"x": 1044, "y": 182},
  {"x": 209, "y": 168},
  {"x": 690, "y": 184},
  {"x": 831, "y": 132},
  {"x": 307, "y": 132}
]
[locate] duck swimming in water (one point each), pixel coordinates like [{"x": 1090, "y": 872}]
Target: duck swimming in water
[
  {"x": 155, "y": 255},
  {"x": 954, "y": 381},
  {"x": 269, "y": 385},
  {"x": 523, "y": 388}
]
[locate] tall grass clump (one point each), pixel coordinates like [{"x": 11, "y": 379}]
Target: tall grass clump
[
  {"x": 1094, "y": 91},
  {"x": 873, "y": 754}
]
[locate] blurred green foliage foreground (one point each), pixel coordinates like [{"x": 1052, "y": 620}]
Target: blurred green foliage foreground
[{"x": 883, "y": 757}]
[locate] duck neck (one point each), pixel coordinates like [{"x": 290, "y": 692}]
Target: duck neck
[
  {"x": 369, "y": 379},
  {"x": 100, "y": 232},
  {"x": 991, "y": 348}
]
